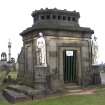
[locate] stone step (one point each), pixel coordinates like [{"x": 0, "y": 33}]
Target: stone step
[
  {"x": 70, "y": 91},
  {"x": 72, "y": 86},
  {"x": 21, "y": 88},
  {"x": 26, "y": 90},
  {"x": 80, "y": 92},
  {"x": 74, "y": 91},
  {"x": 13, "y": 96}
]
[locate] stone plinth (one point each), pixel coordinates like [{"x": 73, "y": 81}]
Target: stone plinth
[{"x": 42, "y": 78}]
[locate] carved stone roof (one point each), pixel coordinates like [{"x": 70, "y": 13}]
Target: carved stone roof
[
  {"x": 55, "y": 11},
  {"x": 54, "y": 19}
]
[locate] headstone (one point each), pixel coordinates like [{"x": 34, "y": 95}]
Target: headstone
[{"x": 102, "y": 75}]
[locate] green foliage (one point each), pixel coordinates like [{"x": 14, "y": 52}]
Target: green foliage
[
  {"x": 3, "y": 75},
  {"x": 13, "y": 75}
]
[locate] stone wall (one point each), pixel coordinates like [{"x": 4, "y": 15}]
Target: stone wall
[
  {"x": 56, "y": 43},
  {"x": 20, "y": 75}
]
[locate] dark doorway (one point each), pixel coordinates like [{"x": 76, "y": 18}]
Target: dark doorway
[{"x": 69, "y": 62}]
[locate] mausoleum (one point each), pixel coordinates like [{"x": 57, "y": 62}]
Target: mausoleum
[{"x": 56, "y": 50}]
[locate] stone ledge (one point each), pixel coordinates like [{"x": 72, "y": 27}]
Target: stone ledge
[
  {"x": 13, "y": 96},
  {"x": 32, "y": 93}
]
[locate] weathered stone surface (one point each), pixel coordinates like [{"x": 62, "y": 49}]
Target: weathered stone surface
[
  {"x": 60, "y": 35},
  {"x": 42, "y": 79},
  {"x": 30, "y": 92},
  {"x": 13, "y": 96}
]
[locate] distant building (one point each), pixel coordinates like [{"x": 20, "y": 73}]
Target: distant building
[
  {"x": 4, "y": 62},
  {"x": 3, "y": 56}
]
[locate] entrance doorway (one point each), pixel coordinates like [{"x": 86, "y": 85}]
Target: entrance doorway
[{"x": 69, "y": 66}]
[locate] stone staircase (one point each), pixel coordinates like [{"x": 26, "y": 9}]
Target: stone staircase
[
  {"x": 17, "y": 93},
  {"x": 74, "y": 89}
]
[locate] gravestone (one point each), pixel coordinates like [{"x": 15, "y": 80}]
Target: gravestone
[{"x": 102, "y": 75}]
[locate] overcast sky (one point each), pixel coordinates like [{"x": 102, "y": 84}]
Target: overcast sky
[{"x": 15, "y": 16}]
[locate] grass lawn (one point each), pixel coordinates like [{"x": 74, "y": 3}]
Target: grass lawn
[{"x": 94, "y": 99}]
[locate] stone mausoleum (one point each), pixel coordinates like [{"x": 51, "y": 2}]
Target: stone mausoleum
[{"x": 67, "y": 54}]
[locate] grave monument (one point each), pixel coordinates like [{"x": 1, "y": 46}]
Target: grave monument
[{"x": 56, "y": 51}]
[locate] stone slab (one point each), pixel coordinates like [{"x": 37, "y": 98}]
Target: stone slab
[
  {"x": 24, "y": 89},
  {"x": 13, "y": 96}
]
